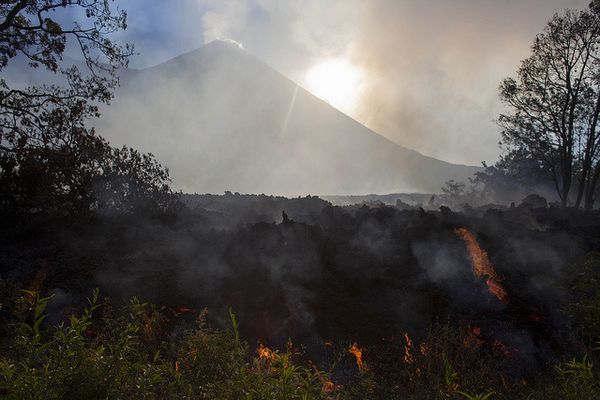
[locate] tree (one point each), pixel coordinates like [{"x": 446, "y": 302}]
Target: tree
[
  {"x": 49, "y": 157},
  {"x": 554, "y": 105},
  {"x": 131, "y": 181},
  {"x": 513, "y": 177}
]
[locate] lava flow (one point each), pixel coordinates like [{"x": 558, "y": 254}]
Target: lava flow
[
  {"x": 408, "y": 358},
  {"x": 264, "y": 353},
  {"x": 357, "y": 352},
  {"x": 482, "y": 265}
]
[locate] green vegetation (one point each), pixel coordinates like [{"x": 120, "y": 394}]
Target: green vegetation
[
  {"x": 131, "y": 352},
  {"x": 115, "y": 355}
]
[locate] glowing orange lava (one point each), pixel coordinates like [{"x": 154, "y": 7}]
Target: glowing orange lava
[
  {"x": 264, "y": 353},
  {"x": 408, "y": 358},
  {"x": 482, "y": 265},
  {"x": 357, "y": 352}
]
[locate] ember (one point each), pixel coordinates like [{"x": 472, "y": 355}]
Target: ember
[
  {"x": 408, "y": 358},
  {"x": 473, "y": 338},
  {"x": 357, "y": 352},
  {"x": 264, "y": 353},
  {"x": 482, "y": 265},
  {"x": 329, "y": 386}
]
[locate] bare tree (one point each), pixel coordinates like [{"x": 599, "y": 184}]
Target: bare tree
[
  {"x": 555, "y": 102},
  {"x": 49, "y": 157},
  {"x": 30, "y": 28}
]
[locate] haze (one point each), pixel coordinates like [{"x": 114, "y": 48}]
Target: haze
[{"x": 430, "y": 69}]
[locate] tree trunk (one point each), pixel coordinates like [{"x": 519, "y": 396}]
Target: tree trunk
[
  {"x": 567, "y": 164},
  {"x": 589, "y": 195},
  {"x": 581, "y": 188},
  {"x": 588, "y": 174}
]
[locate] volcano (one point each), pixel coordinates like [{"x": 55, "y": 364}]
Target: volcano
[{"x": 221, "y": 119}]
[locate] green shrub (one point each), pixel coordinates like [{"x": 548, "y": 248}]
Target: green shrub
[{"x": 118, "y": 357}]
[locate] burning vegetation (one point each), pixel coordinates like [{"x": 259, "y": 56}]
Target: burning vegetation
[
  {"x": 357, "y": 352},
  {"x": 356, "y": 278},
  {"x": 350, "y": 276},
  {"x": 145, "y": 352},
  {"x": 482, "y": 266},
  {"x": 79, "y": 214}
]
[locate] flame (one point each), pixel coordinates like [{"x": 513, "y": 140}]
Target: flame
[
  {"x": 408, "y": 358},
  {"x": 482, "y": 265},
  {"x": 264, "y": 353},
  {"x": 329, "y": 386},
  {"x": 357, "y": 352},
  {"x": 176, "y": 312},
  {"x": 423, "y": 348}
]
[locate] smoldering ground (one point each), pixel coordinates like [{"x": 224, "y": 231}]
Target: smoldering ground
[{"x": 345, "y": 275}]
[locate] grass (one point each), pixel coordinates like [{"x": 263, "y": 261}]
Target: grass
[{"x": 102, "y": 352}]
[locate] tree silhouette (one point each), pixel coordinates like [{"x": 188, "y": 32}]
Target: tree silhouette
[
  {"x": 555, "y": 102},
  {"x": 49, "y": 158}
]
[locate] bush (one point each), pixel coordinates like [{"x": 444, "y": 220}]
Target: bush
[{"x": 116, "y": 358}]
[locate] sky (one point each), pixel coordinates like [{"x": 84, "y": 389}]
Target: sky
[{"x": 423, "y": 73}]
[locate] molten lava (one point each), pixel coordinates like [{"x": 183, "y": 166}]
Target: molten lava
[
  {"x": 357, "y": 352},
  {"x": 482, "y": 265},
  {"x": 423, "y": 348},
  {"x": 408, "y": 358},
  {"x": 264, "y": 353}
]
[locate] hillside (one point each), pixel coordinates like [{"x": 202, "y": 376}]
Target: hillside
[{"x": 220, "y": 119}]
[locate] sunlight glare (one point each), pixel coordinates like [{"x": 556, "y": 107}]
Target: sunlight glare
[{"x": 337, "y": 82}]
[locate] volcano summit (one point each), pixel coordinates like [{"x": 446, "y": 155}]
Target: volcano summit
[{"x": 223, "y": 120}]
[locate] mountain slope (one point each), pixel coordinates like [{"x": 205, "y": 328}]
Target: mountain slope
[{"x": 223, "y": 120}]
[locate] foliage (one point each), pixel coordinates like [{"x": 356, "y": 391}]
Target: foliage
[
  {"x": 480, "y": 396},
  {"x": 584, "y": 309},
  {"x": 554, "y": 105},
  {"x": 50, "y": 160},
  {"x": 112, "y": 358},
  {"x": 577, "y": 379},
  {"x": 130, "y": 352},
  {"x": 516, "y": 175}
]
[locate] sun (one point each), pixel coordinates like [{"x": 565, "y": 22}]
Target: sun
[{"x": 337, "y": 82}]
